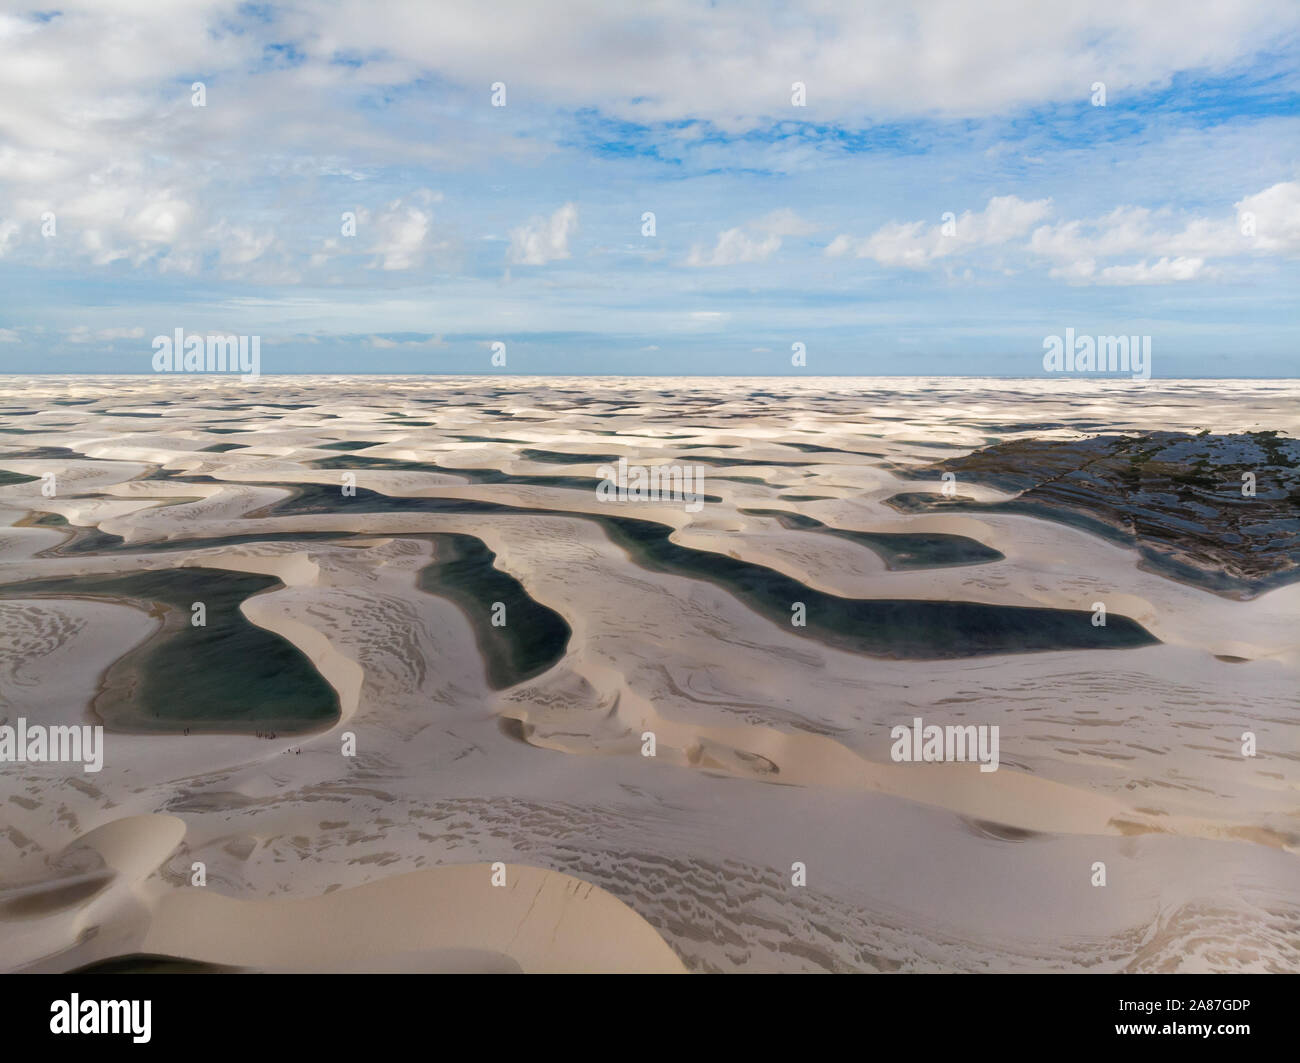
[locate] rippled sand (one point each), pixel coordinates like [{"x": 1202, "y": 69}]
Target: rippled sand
[{"x": 773, "y": 743}]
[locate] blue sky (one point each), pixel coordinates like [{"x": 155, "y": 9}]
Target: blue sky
[{"x": 948, "y": 196}]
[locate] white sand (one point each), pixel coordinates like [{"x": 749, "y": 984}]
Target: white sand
[{"x": 772, "y": 748}]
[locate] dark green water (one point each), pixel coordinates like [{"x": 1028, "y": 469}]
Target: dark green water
[
  {"x": 42, "y": 452},
  {"x": 1156, "y": 559},
  {"x": 533, "y": 637},
  {"x": 228, "y": 676},
  {"x": 559, "y": 457},
  {"x": 487, "y": 439},
  {"x": 85, "y": 541},
  {"x": 706, "y": 459},
  {"x": 165, "y": 545},
  {"x": 356, "y": 462},
  {"x": 328, "y": 498},
  {"x": 879, "y": 627},
  {"x": 900, "y": 550},
  {"x": 478, "y": 476},
  {"x": 815, "y": 448}
]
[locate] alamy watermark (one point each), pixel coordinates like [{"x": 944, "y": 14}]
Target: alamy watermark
[
  {"x": 79, "y": 1016},
  {"x": 180, "y": 353},
  {"x": 1098, "y": 354},
  {"x": 652, "y": 483},
  {"x": 951, "y": 743},
  {"x": 76, "y": 744}
]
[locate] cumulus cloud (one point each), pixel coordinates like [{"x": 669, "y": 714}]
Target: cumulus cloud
[
  {"x": 733, "y": 247},
  {"x": 1077, "y": 245},
  {"x": 1169, "y": 247},
  {"x": 1163, "y": 272},
  {"x": 1274, "y": 217},
  {"x": 1266, "y": 223},
  {"x": 916, "y": 245},
  {"x": 756, "y": 241},
  {"x": 401, "y": 235},
  {"x": 543, "y": 240},
  {"x": 136, "y": 174},
  {"x": 239, "y": 245},
  {"x": 120, "y": 217},
  {"x": 380, "y": 94}
]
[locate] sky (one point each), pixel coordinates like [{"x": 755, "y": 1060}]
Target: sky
[{"x": 871, "y": 188}]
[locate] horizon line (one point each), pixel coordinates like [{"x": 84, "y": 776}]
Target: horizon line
[{"x": 661, "y": 376}]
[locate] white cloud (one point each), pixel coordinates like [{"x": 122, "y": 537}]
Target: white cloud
[
  {"x": 1162, "y": 272},
  {"x": 756, "y": 241},
  {"x": 1170, "y": 248},
  {"x": 1265, "y": 223},
  {"x": 1136, "y": 230},
  {"x": 841, "y": 245},
  {"x": 1276, "y": 217},
  {"x": 119, "y": 216},
  {"x": 543, "y": 240},
  {"x": 916, "y": 246},
  {"x": 238, "y": 245},
  {"x": 401, "y": 235},
  {"x": 84, "y": 334},
  {"x": 329, "y": 250},
  {"x": 734, "y": 246},
  {"x": 138, "y": 176},
  {"x": 684, "y": 58},
  {"x": 8, "y": 230},
  {"x": 383, "y": 343},
  {"x": 709, "y": 317}
]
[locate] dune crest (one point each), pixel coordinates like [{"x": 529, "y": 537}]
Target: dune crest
[{"x": 444, "y": 919}]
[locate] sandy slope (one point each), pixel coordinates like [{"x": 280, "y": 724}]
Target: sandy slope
[
  {"x": 772, "y": 748},
  {"x": 444, "y": 919}
]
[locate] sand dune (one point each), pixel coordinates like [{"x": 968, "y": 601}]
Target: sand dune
[
  {"x": 772, "y": 746},
  {"x": 444, "y": 919}
]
